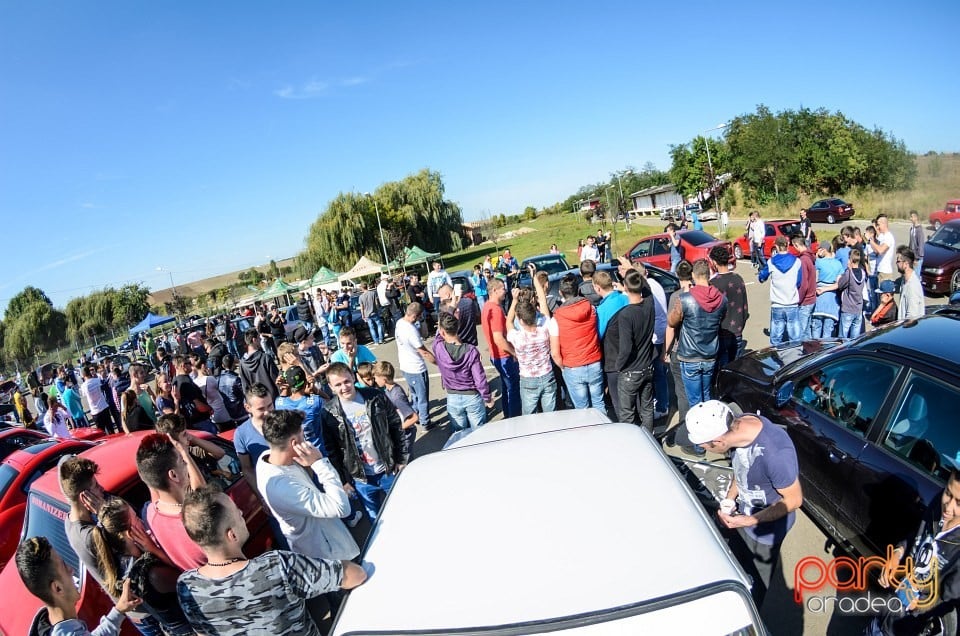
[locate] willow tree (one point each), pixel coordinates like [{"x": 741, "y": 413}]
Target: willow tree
[{"x": 413, "y": 207}]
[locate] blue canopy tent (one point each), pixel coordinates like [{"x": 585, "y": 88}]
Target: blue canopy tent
[{"x": 151, "y": 321}]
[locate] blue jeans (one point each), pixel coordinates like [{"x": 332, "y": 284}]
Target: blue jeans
[
  {"x": 850, "y": 325},
  {"x": 375, "y": 324},
  {"x": 784, "y": 324},
  {"x": 540, "y": 391},
  {"x": 804, "y": 313},
  {"x": 509, "y": 372},
  {"x": 585, "y": 385},
  {"x": 661, "y": 388},
  {"x": 373, "y": 491},
  {"x": 761, "y": 259},
  {"x": 419, "y": 384},
  {"x": 697, "y": 377},
  {"x": 466, "y": 411},
  {"x": 821, "y": 327},
  {"x": 728, "y": 349}
]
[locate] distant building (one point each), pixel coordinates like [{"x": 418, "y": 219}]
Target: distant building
[
  {"x": 588, "y": 205},
  {"x": 473, "y": 231},
  {"x": 656, "y": 199}
]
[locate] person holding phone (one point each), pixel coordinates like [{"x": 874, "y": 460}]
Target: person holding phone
[{"x": 930, "y": 589}]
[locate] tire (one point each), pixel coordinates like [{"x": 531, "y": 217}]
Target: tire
[
  {"x": 831, "y": 219},
  {"x": 955, "y": 282},
  {"x": 936, "y": 225},
  {"x": 737, "y": 251}
]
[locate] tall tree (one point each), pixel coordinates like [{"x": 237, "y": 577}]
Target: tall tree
[{"x": 19, "y": 303}]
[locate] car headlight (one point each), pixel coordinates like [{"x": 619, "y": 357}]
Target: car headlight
[{"x": 933, "y": 270}]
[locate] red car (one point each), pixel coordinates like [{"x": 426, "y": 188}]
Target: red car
[
  {"x": 47, "y": 509},
  {"x": 830, "y": 211},
  {"x": 37, "y": 454},
  {"x": 784, "y": 227},
  {"x": 949, "y": 212},
  {"x": 655, "y": 249}
]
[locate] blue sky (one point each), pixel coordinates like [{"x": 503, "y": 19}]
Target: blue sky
[{"x": 205, "y": 137}]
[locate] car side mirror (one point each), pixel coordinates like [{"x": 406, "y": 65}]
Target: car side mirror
[{"x": 784, "y": 393}]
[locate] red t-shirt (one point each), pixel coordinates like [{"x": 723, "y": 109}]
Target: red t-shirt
[
  {"x": 493, "y": 320},
  {"x": 172, "y": 537}
]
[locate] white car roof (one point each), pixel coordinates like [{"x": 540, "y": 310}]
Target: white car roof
[
  {"x": 527, "y": 425},
  {"x": 560, "y": 524}
]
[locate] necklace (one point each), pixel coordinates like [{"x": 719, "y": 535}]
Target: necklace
[
  {"x": 170, "y": 503},
  {"x": 227, "y": 562}
]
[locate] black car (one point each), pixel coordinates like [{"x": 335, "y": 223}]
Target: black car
[
  {"x": 873, "y": 420},
  {"x": 830, "y": 211}
]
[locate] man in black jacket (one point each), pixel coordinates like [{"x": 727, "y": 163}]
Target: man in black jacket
[
  {"x": 629, "y": 341},
  {"x": 363, "y": 437},
  {"x": 258, "y": 367},
  {"x": 305, "y": 311},
  {"x": 215, "y": 352}
]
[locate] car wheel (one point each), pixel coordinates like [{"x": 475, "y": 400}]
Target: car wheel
[
  {"x": 936, "y": 225},
  {"x": 831, "y": 219},
  {"x": 955, "y": 282},
  {"x": 737, "y": 251}
]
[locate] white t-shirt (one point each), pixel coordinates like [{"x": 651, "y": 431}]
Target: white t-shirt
[
  {"x": 408, "y": 343},
  {"x": 885, "y": 263},
  {"x": 589, "y": 253},
  {"x": 358, "y": 419},
  {"x": 382, "y": 293},
  {"x": 759, "y": 231},
  {"x": 94, "y": 393},
  {"x": 56, "y": 424}
]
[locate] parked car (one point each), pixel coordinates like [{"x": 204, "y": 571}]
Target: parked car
[
  {"x": 873, "y": 421},
  {"x": 126, "y": 346},
  {"x": 7, "y": 389},
  {"x": 655, "y": 250},
  {"x": 17, "y": 438},
  {"x": 941, "y": 260},
  {"x": 18, "y": 470},
  {"x": 47, "y": 508},
  {"x": 950, "y": 212},
  {"x": 783, "y": 227},
  {"x": 462, "y": 278},
  {"x": 830, "y": 211},
  {"x": 100, "y": 351},
  {"x": 520, "y": 514}
]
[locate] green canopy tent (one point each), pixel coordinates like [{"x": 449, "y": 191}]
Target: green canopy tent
[
  {"x": 277, "y": 289},
  {"x": 324, "y": 276},
  {"x": 414, "y": 256}
]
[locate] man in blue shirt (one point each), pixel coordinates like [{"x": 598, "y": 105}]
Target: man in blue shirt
[
  {"x": 612, "y": 300},
  {"x": 350, "y": 353}
]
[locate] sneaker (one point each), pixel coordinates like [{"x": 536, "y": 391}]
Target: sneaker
[
  {"x": 694, "y": 450},
  {"x": 354, "y": 519}
]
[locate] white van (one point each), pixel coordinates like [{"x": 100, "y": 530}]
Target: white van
[{"x": 585, "y": 530}]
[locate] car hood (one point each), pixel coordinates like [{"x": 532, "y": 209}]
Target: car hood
[
  {"x": 764, "y": 364},
  {"x": 936, "y": 256}
]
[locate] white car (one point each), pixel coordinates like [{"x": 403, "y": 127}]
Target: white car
[{"x": 581, "y": 530}]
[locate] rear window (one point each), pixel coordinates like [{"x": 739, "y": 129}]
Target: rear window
[
  {"x": 45, "y": 518},
  {"x": 696, "y": 237},
  {"x": 11, "y": 444},
  {"x": 548, "y": 265},
  {"x": 838, "y": 202}
]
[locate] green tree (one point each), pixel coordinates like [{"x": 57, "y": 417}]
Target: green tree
[
  {"x": 21, "y": 301},
  {"x": 38, "y": 326},
  {"x": 529, "y": 213}
]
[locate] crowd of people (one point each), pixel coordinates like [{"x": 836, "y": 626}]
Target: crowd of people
[{"x": 324, "y": 428}]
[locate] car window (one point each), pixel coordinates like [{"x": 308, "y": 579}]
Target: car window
[
  {"x": 849, "y": 392},
  {"x": 696, "y": 237},
  {"x": 923, "y": 430},
  {"x": 948, "y": 237},
  {"x": 12, "y": 443},
  {"x": 224, "y": 471},
  {"x": 789, "y": 229},
  {"x": 660, "y": 247},
  {"x": 7, "y": 475},
  {"x": 44, "y": 518},
  {"x": 771, "y": 231},
  {"x": 819, "y": 205},
  {"x": 641, "y": 249}
]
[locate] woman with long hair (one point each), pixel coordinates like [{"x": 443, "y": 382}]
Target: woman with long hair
[
  {"x": 133, "y": 417},
  {"x": 123, "y": 548}
]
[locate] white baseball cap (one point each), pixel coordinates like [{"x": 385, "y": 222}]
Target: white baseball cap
[{"x": 707, "y": 421}]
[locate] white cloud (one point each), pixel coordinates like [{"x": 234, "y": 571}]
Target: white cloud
[
  {"x": 309, "y": 90},
  {"x": 354, "y": 81}
]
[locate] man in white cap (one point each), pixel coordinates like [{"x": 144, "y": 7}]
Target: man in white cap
[{"x": 765, "y": 493}]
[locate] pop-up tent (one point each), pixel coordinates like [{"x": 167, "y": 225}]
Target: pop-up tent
[
  {"x": 324, "y": 276},
  {"x": 277, "y": 289},
  {"x": 364, "y": 267},
  {"x": 151, "y": 321},
  {"x": 414, "y": 256}
]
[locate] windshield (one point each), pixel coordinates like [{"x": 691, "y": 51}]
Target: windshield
[
  {"x": 45, "y": 518},
  {"x": 553, "y": 265},
  {"x": 696, "y": 237},
  {"x": 948, "y": 237},
  {"x": 7, "y": 475}
]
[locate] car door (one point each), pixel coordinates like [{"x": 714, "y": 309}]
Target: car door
[
  {"x": 660, "y": 253},
  {"x": 769, "y": 238},
  {"x": 909, "y": 463},
  {"x": 830, "y": 413},
  {"x": 817, "y": 212}
]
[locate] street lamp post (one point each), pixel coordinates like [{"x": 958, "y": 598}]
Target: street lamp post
[
  {"x": 620, "y": 187},
  {"x": 713, "y": 180},
  {"x": 613, "y": 238},
  {"x": 383, "y": 244}
]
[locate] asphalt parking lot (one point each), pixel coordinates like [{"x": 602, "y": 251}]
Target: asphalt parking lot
[{"x": 782, "y": 614}]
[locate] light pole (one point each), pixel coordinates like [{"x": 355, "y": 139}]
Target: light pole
[
  {"x": 613, "y": 238},
  {"x": 620, "y": 187},
  {"x": 383, "y": 244},
  {"x": 172, "y": 286},
  {"x": 713, "y": 193}
]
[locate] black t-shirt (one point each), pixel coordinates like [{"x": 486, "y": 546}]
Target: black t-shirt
[
  {"x": 188, "y": 390},
  {"x": 731, "y": 285},
  {"x": 416, "y": 293}
]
